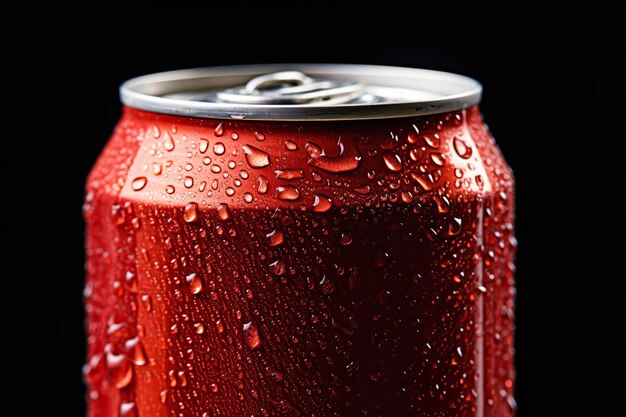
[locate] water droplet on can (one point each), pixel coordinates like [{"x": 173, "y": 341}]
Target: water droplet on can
[
  {"x": 190, "y": 213},
  {"x": 139, "y": 182},
  {"x": 322, "y": 203},
  {"x": 256, "y": 158},
  {"x": 195, "y": 283},
  {"x": 275, "y": 237},
  {"x": 393, "y": 162},
  {"x": 288, "y": 193},
  {"x": 251, "y": 335}
]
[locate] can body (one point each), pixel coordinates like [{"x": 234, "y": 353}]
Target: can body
[{"x": 270, "y": 268}]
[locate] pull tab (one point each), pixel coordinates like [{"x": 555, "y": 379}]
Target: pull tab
[{"x": 291, "y": 87}]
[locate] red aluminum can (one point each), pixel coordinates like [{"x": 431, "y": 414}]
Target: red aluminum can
[{"x": 300, "y": 240}]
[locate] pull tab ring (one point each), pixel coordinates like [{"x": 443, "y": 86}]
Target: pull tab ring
[{"x": 291, "y": 87}]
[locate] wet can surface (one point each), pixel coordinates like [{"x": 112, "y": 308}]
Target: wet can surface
[{"x": 305, "y": 240}]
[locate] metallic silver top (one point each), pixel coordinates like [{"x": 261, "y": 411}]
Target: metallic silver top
[{"x": 301, "y": 92}]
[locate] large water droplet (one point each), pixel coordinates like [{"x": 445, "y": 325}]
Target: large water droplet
[
  {"x": 93, "y": 370},
  {"x": 188, "y": 182},
  {"x": 462, "y": 148},
  {"x": 195, "y": 283},
  {"x": 433, "y": 141},
  {"x": 416, "y": 154},
  {"x": 168, "y": 142},
  {"x": 322, "y": 203},
  {"x": 222, "y": 211},
  {"x": 119, "y": 368},
  {"x": 438, "y": 158},
  {"x": 393, "y": 162},
  {"x": 139, "y": 182},
  {"x": 256, "y": 158},
  {"x": 426, "y": 182},
  {"x": 289, "y": 174},
  {"x": 347, "y": 159},
  {"x": 219, "y": 148},
  {"x": 136, "y": 351},
  {"x": 128, "y": 410},
  {"x": 443, "y": 204},
  {"x": 203, "y": 145},
  {"x": 262, "y": 184},
  {"x": 287, "y": 192},
  {"x": 291, "y": 145},
  {"x": 190, "y": 213},
  {"x": 251, "y": 335},
  {"x": 278, "y": 267},
  {"x": 275, "y": 237}
]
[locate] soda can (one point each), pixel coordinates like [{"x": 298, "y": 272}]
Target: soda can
[{"x": 300, "y": 240}]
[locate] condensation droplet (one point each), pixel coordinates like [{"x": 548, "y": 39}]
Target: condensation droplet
[
  {"x": 345, "y": 239},
  {"x": 433, "y": 142},
  {"x": 170, "y": 189},
  {"x": 190, "y": 213},
  {"x": 188, "y": 182},
  {"x": 443, "y": 204},
  {"x": 139, "y": 183},
  {"x": 393, "y": 162},
  {"x": 262, "y": 184},
  {"x": 119, "y": 369},
  {"x": 454, "y": 227},
  {"x": 363, "y": 190},
  {"x": 406, "y": 196},
  {"x": 223, "y": 211},
  {"x": 416, "y": 154},
  {"x": 426, "y": 182},
  {"x": 168, "y": 142},
  {"x": 128, "y": 410},
  {"x": 438, "y": 158},
  {"x": 219, "y": 130},
  {"x": 198, "y": 328},
  {"x": 195, "y": 283},
  {"x": 278, "y": 267},
  {"x": 275, "y": 237},
  {"x": 251, "y": 335},
  {"x": 136, "y": 351},
  {"x": 219, "y": 148},
  {"x": 347, "y": 159},
  {"x": 288, "y": 193},
  {"x": 291, "y": 145},
  {"x": 248, "y": 197},
  {"x": 157, "y": 168},
  {"x": 203, "y": 145},
  {"x": 259, "y": 136},
  {"x": 462, "y": 149},
  {"x": 322, "y": 203},
  {"x": 256, "y": 158},
  {"x": 289, "y": 174}
]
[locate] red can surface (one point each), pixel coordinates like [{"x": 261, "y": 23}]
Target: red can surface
[{"x": 332, "y": 244}]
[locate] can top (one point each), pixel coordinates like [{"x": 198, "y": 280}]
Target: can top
[{"x": 301, "y": 92}]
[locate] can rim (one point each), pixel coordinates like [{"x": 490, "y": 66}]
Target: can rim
[{"x": 146, "y": 92}]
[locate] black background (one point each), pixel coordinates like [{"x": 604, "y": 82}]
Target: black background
[{"x": 546, "y": 78}]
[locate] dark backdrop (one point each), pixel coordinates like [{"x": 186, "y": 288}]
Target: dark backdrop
[{"x": 545, "y": 79}]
